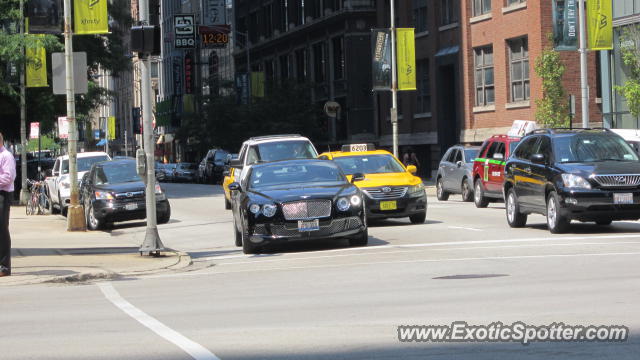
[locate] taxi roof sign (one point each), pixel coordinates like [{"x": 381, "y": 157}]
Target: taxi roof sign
[{"x": 358, "y": 147}]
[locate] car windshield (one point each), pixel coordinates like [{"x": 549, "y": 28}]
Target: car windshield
[
  {"x": 369, "y": 164},
  {"x": 281, "y": 150},
  {"x": 592, "y": 147},
  {"x": 84, "y": 163},
  {"x": 118, "y": 172},
  {"x": 470, "y": 155},
  {"x": 286, "y": 174}
]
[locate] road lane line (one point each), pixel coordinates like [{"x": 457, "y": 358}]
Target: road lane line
[
  {"x": 464, "y": 228},
  {"x": 197, "y": 351},
  {"x": 444, "y": 243}
]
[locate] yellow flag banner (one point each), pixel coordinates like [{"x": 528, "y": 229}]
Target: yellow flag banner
[
  {"x": 599, "y": 23},
  {"x": 406, "y": 59},
  {"x": 111, "y": 128},
  {"x": 36, "y": 67},
  {"x": 90, "y": 17}
]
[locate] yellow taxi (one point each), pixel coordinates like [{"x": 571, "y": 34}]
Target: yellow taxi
[
  {"x": 391, "y": 190},
  {"x": 228, "y": 179}
]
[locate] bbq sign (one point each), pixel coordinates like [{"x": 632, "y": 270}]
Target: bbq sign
[{"x": 185, "y": 31}]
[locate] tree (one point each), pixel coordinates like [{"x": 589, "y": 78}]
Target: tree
[
  {"x": 553, "y": 108},
  {"x": 46, "y": 142},
  {"x": 630, "y": 48}
]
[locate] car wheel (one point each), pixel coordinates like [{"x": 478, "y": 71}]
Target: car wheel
[
  {"x": 478, "y": 195},
  {"x": 604, "y": 222},
  {"x": 515, "y": 218},
  {"x": 164, "y": 218},
  {"x": 467, "y": 192},
  {"x": 247, "y": 246},
  {"x": 227, "y": 204},
  {"x": 361, "y": 240},
  {"x": 441, "y": 193},
  {"x": 556, "y": 222},
  {"x": 92, "y": 222},
  {"x": 418, "y": 218}
]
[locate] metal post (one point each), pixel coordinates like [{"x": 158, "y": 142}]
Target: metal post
[
  {"x": 24, "y": 193},
  {"x": 106, "y": 134},
  {"x": 584, "y": 84},
  {"x": 75, "y": 213},
  {"x": 39, "y": 154},
  {"x": 152, "y": 244},
  {"x": 394, "y": 81}
]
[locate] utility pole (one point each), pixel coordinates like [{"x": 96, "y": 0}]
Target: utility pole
[
  {"x": 24, "y": 193},
  {"x": 248, "y": 57},
  {"x": 584, "y": 84},
  {"x": 152, "y": 244},
  {"x": 394, "y": 81},
  {"x": 75, "y": 213}
]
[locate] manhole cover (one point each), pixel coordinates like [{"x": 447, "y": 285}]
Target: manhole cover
[{"x": 468, "y": 276}]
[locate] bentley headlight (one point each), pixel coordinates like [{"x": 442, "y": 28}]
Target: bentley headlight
[
  {"x": 575, "y": 182},
  {"x": 343, "y": 204},
  {"x": 254, "y": 208},
  {"x": 356, "y": 200},
  {"x": 416, "y": 190},
  {"x": 269, "y": 210}
]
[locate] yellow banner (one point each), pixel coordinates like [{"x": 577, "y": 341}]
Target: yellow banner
[
  {"x": 90, "y": 17},
  {"x": 111, "y": 127},
  {"x": 36, "y": 67},
  {"x": 406, "y": 59},
  {"x": 599, "y": 23},
  {"x": 257, "y": 84}
]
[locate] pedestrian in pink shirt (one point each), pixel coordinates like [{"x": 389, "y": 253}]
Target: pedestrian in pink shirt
[{"x": 7, "y": 176}]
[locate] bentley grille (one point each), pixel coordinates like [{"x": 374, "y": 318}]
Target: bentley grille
[{"x": 312, "y": 209}]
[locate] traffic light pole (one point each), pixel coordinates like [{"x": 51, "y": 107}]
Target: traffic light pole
[
  {"x": 152, "y": 244},
  {"x": 75, "y": 212}
]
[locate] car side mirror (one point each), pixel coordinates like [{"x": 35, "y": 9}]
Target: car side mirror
[
  {"x": 234, "y": 186},
  {"x": 498, "y": 156},
  {"x": 538, "y": 159},
  {"x": 357, "y": 177},
  {"x": 412, "y": 169},
  {"x": 236, "y": 163},
  {"x": 55, "y": 173}
]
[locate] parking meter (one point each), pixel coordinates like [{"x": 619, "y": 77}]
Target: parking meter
[{"x": 141, "y": 164}]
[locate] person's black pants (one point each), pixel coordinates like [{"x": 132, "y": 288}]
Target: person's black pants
[{"x": 5, "y": 237}]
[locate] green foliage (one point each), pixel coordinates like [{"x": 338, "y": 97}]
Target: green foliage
[
  {"x": 631, "y": 58},
  {"x": 47, "y": 143},
  {"x": 283, "y": 110},
  {"x": 553, "y": 108}
]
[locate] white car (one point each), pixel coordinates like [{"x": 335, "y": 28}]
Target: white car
[{"x": 59, "y": 183}]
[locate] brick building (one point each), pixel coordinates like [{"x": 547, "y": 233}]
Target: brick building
[{"x": 501, "y": 40}]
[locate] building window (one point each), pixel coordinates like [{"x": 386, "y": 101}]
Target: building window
[
  {"x": 448, "y": 12},
  {"x": 420, "y": 15},
  {"x": 301, "y": 65},
  {"x": 514, "y": 2},
  {"x": 481, "y": 7},
  {"x": 519, "y": 69},
  {"x": 485, "y": 92},
  {"x": 284, "y": 67},
  {"x": 320, "y": 62},
  {"x": 424, "y": 87},
  {"x": 338, "y": 58}
]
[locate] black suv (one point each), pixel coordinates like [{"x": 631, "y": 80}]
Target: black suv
[{"x": 579, "y": 174}]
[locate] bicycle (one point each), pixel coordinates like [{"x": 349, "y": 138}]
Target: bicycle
[{"x": 38, "y": 203}]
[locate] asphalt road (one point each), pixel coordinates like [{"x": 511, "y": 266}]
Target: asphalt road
[{"x": 329, "y": 301}]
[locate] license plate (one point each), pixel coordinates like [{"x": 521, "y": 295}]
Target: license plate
[
  {"x": 131, "y": 206},
  {"x": 626, "y": 198},
  {"x": 388, "y": 205},
  {"x": 305, "y": 226}
]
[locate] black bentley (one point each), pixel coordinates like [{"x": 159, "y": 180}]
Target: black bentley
[
  {"x": 297, "y": 200},
  {"x": 113, "y": 191}
]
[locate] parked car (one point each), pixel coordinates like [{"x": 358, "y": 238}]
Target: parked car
[
  {"x": 160, "y": 174},
  {"x": 211, "y": 168},
  {"x": 391, "y": 190},
  {"x": 488, "y": 168},
  {"x": 59, "y": 183},
  {"x": 113, "y": 191},
  {"x": 229, "y": 177},
  {"x": 170, "y": 171},
  {"x": 582, "y": 174},
  {"x": 185, "y": 172},
  {"x": 631, "y": 136},
  {"x": 455, "y": 172},
  {"x": 297, "y": 200}
]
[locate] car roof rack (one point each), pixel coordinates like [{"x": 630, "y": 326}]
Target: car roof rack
[
  {"x": 266, "y": 137},
  {"x": 554, "y": 130}
]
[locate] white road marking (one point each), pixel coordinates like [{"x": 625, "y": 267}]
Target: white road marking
[
  {"x": 464, "y": 228},
  {"x": 197, "y": 351},
  {"x": 324, "y": 266},
  {"x": 445, "y": 243}
]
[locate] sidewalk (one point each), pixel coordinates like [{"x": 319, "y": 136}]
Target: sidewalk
[{"x": 43, "y": 251}]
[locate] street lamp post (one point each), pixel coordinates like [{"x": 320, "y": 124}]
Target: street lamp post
[{"x": 584, "y": 85}]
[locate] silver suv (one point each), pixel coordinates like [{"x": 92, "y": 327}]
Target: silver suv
[{"x": 454, "y": 173}]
